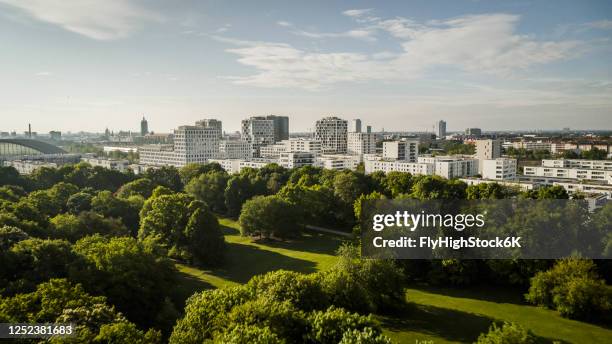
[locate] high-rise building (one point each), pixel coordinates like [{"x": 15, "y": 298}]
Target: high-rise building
[
  {"x": 407, "y": 150},
  {"x": 358, "y": 142},
  {"x": 498, "y": 169},
  {"x": 441, "y": 129},
  {"x": 475, "y": 132},
  {"x": 259, "y": 132},
  {"x": 487, "y": 150},
  {"x": 355, "y": 126},
  {"x": 332, "y": 132},
  {"x": 144, "y": 127},
  {"x": 192, "y": 144},
  {"x": 281, "y": 127},
  {"x": 211, "y": 123}
]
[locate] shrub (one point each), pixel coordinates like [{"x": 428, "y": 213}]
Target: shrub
[
  {"x": 573, "y": 288},
  {"x": 282, "y": 318},
  {"x": 509, "y": 333},
  {"x": 367, "y": 336},
  {"x": 246, "y": 334},
  {"x": 205, "y": 313},
  {"x": 303, "y": 291},
  {"x": 328, "y": 327}
]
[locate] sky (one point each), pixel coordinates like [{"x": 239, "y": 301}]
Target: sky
[{"x": 75, "y": 65}]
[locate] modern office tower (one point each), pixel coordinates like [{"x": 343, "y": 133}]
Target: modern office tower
[
  {"x": 55, "y": 135},
  {"x": 487, "y": 150},
  {"x": 235, "y": 149},
  {"x": 499, "y": 169},
  {"x": 281, "y": 127},
  {"x": 212, "y": 123},
  {"x": 359, "y": 143},
  {"x": 355, "y": 126},
  {"x": 192, "y": 144},
  {"x": 476, "y": 132},
  {"x": 406, "y": 150},
  {"x": 441, "y": 129},
  {"x": 258, "y": 131},
  {"x": 144, "y": 127},
  {"x": 332, "y": 132}
]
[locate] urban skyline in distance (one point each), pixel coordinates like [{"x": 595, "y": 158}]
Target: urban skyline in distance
[{"x": 85, "y": 66}]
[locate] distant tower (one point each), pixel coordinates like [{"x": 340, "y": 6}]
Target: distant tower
[
  {"x": 144, "y": 127},
  {"x": 29, "y": 130},
  {"x": 355, "y": 126},
  {"x": 441, "y": 129}
]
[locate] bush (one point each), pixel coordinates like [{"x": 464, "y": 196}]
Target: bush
[
  {"x": 245, "y": 334},
  {"x": 328, "y": 327},
  {"x": 205, "y": 313},
  {"x": 367, "y": 336},
  {"x": 509, "y": 333},
  {"x": 284, "y": 319},
  {"x": 573, "y": 288},
  {"x": 303, "y": 291}
]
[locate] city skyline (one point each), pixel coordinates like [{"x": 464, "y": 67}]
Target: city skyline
[{"x": 401, "y": 66}]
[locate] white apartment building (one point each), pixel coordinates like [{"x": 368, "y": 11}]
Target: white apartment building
[
  {"x": 558, "y": 147},
  {"x": 373, "y": 165},
  {"x": 498, "y": 169},
  {"x": 451, "y": 166},
  {"x": 337, "y": 161},
  {"x": 332, "y": 133},
  {"x": 236, "y": 165},
  {"x": 111, "y": 164},
  {"x": 296, "y": 159},
  {"x": 404, "y": 149},
  {"x": 487, "y": 150},
  {"x": 579, "y": 163},
  {"x": 291, "y": 145},
  {"x": 522, "y": 185},
  {"x": 587, "y": 188},
  {"x": 234, "y": 149},
  {"x": 28, "y": 166},
  {"x": 529, "y": 145},
  {"x": 361, "y": 143},
  {"x": 192, "y": 144},
  {"x": 569, "y": 173},
  {"x": 259, "y": 132}
]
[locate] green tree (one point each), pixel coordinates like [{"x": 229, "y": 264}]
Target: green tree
[
  {"x": 193, "y": 170},
  {"x": 80, "y": 201},
  {"x": 204, "y": 237},
  {"x": 260, "y": 216},
  {"x": 508, "y": 333},
  {"x": 167, "y": 176},
  {"x": 141, "y": 187},
  {"x": 131, "y": 274},
  {"x": 209, "y": 187}
]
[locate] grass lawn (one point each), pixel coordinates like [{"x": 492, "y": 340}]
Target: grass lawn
[
  {"x": 440, "y": 315},
  {"x": 247, "y": 257}
]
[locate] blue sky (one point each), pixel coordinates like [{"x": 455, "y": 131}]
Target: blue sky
[{"x": 397, "y": 65}]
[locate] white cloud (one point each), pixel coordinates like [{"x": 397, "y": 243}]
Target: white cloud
[
  {"x": 100, "y": 20},
  {"x": 601, "y": 24},
  {"x": 475, "y": 44},
  {"x": 284, "y": 23},
  {"x": 357, "y": 12},
  {"x": 363, "y": 34}
]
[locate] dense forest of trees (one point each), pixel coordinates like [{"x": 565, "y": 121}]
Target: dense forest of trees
[{"x": 97, "y": 248}]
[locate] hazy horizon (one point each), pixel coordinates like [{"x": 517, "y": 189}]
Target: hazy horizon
[{"x": 401, "y": 66}]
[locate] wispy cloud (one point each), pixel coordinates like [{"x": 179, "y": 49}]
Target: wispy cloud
[
  {"x": 600, "y": 24},
  {"x": 100, "y": 20},
  {"x": 477, "y": 44},
  {"x": 44, "y": 74},
  {"x": 283, "y": 23},
  {"x": 363, "y": 34},
  {"x": 357, "y": 12}
]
